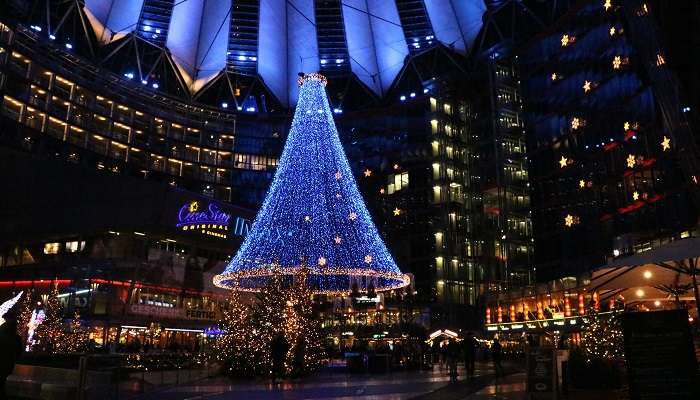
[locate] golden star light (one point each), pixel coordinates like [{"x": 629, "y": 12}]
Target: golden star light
[
  {"x": 322, "y": 261},
  {"x": 563, "y": 162},
  {"x": 554, "y": 76},
  {"x": 586, "y": 86},
  {"x": 565, "y": 40},
  {"x": 666, "y": 143},
  {"x": 582, "y": 184},
  {"x": 575, "y": 123},
  {"x": 352, "y": 216},
  {"x": 617, "y": 62},
  {"x": 307, "y": 218},
  {"x": 397, "y": 212},
  {"x": 368, "y": 258},
  {"x": 635, "y": 195},
  {"x": 368, "y": 173},
  {"x": 612, "y": 31},
  {"x": 626, "y": 126},
  {"x": 569, "y": 220},
  {"x": 631, "y": 161},
  {"x": 607, "y": 4},
  {"x": 338, "y": 175}
]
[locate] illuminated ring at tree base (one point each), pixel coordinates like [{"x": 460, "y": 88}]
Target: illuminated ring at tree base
[{"x": 343, "y": 280}]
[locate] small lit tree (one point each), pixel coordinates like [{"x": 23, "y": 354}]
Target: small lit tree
[
  {"x": 25, "y": 308},
  {"x": 602, "y": 339},
  {"x": 50, "y": 333},
  {"x": 234, "y": 348},
  {"x": 76, "y": 340},
  {"x": 307, "y": 347}
]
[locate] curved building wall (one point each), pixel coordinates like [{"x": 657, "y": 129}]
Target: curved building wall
[{"x": 81, "y": 108}]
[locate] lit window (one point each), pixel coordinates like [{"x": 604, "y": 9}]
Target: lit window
[
  {"x": 72, "y": 247},
  {"x": 51, "y": 248},
  {"x": 397, "y": 182}
]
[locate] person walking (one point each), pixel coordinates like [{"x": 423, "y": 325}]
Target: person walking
[
  {"x": 452, "y": 358},
  {"x": 10, "y": 348},
  {"x": 496, "y": 353},
  {"x": 470, "y": 345},
  {"x": 278, "y": 349}
]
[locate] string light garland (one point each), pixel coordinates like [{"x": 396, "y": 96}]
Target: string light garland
[{"x": 280, "y": 242}]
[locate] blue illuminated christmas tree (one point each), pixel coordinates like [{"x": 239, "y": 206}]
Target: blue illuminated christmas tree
[{"x": 313, "y": 218}]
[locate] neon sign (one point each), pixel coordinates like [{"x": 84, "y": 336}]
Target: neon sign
[
  {"x": 210, "y": 221},
  {"x": 191, "y": 214}
]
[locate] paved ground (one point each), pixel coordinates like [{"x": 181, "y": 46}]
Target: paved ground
[{"x": 327, "y": 386}]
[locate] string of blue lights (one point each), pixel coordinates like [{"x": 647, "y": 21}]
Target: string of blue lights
[{"x": 314, "y": 216}]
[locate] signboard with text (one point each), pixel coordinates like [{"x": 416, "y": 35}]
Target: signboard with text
[{"x": 540, "y": 370}]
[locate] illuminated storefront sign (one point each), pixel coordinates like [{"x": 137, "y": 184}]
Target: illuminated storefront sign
[{"x": 209, "y": 220}]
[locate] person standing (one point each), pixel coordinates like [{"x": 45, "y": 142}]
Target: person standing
[
  {"x": 278, "y": 349},
  {"x": 10, "y": 348},
  {"x": 452, "y": 358},
  {"x": 470, "y": 345},
  {"x": 496, "y": 353}
]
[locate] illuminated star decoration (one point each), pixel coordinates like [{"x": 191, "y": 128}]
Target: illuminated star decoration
[
  {"x": 352, "y": 216},
  {"x": 666, "y": 143},
  {"x": 322, "y": 261},
  {"x": 338, "y": 175},
  {"x": 194, "y": 206},
  {"x": 564, "y": 40},
  {"x": 631, "y": 161},
  {"x": 307, "y": 218},
  {"x": 338, "y": 195},
  {"x": 381, "y": 191},
  {"x": 554, "y": 76},
  {"x": 368, "y": 258},
  {"x": 575, "y": 123},
  {"x": 586, "y": 86},
  {"x": 607, "y": 4},
  {"x": 626, "y": 126},
  {"x": 612, "y": 31},
  {"x": 569, "y": 220},
  {"x": 397, "y": 212},
  {"x": 563, "y": 162},
  {"x": 368, "y": 173},
  {"x": 635, "y": 195},
  {"x": 617, "y": 62},
  {"x": 581, "y": 183},
  {"x": 337, "y": 239}
]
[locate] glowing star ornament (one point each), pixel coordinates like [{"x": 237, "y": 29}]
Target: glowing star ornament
[
  {"x": 612, "y": 31},
  {"x": 397, "y": 212},
  {"x": 312, "y": 170},
  {"x": 368, "y": 259},
  {"x": 626, "y": 126},
  {"x": 607, "y": 4},
  {"x": 631, "y": 161},
  {"x": 665, "y": 144},
  {"x": 565, "y": 40},
  {"x": 575, "y": 123},
  {"x": 368, "y": 173},
  {"x": 569, "y": 220},
  {"x": 635, "y": 195},
  {"x": 617, "y": 62},
  {"x": 582, "y": 184},
  {"x": 554, "y": 76},
  {"x": 563, "y": 162},
  {"x": 586, "y": 86}
]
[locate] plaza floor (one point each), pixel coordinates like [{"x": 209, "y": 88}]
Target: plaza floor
[{"x": 330, "y": 386}]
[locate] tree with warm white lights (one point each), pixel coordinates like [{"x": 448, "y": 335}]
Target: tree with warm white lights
[
  {"x": 602, "y": 338},
  {"x": 234, "y": 347},
  {"x": 49, "y": 334}
]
